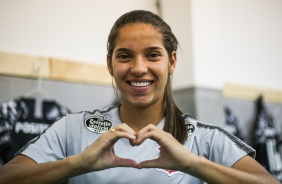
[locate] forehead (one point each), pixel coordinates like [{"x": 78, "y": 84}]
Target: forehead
[{"x": 139, "y": 32}]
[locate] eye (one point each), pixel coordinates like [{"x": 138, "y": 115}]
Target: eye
[
  {"x": 154, "y": 56},
  {"x": 123, "y": 57}
]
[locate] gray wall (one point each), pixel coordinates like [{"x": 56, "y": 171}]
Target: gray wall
[
  {"x": 246, "y": 113},
  {"x": 208, "y": 106},
  {"x": 204, "y": 104},
  {"x": 76, "y": 96}
]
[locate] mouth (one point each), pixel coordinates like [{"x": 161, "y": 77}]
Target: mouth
[{"x": 140, "y": 84}]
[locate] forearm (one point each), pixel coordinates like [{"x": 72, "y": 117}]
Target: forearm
[
  {"x": 51, "y": 172},
  {"x": 215, "y": 173}
]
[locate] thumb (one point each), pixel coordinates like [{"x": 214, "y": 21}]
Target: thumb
[
  {"x": 149, "y": 164},
  {"x": 125, "y": 162}
]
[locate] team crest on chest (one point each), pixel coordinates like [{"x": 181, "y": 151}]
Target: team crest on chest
[
  {"x": 98, "y": 124},
  {"x": 191, "y": 124},
  {"x": 191, "y": 128}
]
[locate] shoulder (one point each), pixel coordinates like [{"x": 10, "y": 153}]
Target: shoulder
[
  {"x": 204, "y": 129},
  {"x": 75, "y": 120},
  {"x": 213, "y": 136},
  {"x": 107, "y": 112}
]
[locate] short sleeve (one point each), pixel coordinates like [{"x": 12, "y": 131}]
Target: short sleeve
[
  {"x": 222, "y": 147},
  {"x": 50, "y": 145}
]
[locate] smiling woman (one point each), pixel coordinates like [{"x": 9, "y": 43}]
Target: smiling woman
[
  {"x": 147, "y": 130},
  {"x": 147, "y": 62},
  {"x": 148, "y": 47}
]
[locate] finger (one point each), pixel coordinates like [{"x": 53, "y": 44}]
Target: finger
[
  {"x": 118, "y": 134},
  {"x": 131, "y": 136},
  {"x": 122, "y": 131},
  {"x": 123, "y": 128},
  {"x": 124, "y": 162},
  {"x": 150, "y": 132},
  {"x": 127, "y": 128},
  {"x": 164, "y": 139},
  {"x": 148, "y": 128}
]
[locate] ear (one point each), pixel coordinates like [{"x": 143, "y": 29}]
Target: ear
[
  {"x": 109, "y": 65},
  {"x": 172, "y": 63}
]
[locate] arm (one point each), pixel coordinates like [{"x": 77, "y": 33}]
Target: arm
[
  {"x": 175, "y": 156},
  {"x": 246, "y": 170},
  {"x": 24, "y": 170},
  {"x": 98, "y": 156}
]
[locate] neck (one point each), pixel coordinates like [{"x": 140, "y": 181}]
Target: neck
[{"x": 139, "y": 117}]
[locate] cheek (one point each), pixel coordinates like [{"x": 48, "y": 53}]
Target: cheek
[
  {"x": 161, "y": 71},
  {"x": 118, "y": 72}
]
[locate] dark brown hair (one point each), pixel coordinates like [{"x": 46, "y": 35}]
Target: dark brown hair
[{"x": 174, "y": 122}]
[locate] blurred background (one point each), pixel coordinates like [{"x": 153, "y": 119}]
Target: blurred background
[{"x": 229, "y": 57}]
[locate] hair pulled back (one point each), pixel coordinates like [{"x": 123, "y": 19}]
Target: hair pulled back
[{"x": 174, "y": 122}]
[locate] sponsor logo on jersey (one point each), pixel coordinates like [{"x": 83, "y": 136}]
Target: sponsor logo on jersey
[
  {"x": 169, "y": 172},
  {"x": 98, "y": 124},
  {"x": 5, "y": 138}
]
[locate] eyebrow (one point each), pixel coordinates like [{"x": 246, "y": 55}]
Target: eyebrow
[
  {"x": 121, "y": 49},
  {"x": 147, "y": 49}
]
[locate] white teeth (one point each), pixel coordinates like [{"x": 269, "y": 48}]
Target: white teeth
[{"x": 140, "y": 84}]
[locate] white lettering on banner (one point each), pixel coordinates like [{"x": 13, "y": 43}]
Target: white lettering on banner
[
  {"x": 5, "y": 139},
  {"x": 30, "y": 127}
]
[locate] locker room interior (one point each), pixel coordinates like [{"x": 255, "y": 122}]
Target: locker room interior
[{"x": 229, "y": 55}]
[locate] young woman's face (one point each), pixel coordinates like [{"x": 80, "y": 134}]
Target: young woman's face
[{"x": 140, "y": 65}]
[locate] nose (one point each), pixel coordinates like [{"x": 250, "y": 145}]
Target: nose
[{"x": 139, "y": 66}]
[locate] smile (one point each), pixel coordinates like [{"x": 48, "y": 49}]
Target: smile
[{"x": 140, "y": 84}]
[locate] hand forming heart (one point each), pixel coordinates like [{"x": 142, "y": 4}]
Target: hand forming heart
[{"x": 101, "y": 154}]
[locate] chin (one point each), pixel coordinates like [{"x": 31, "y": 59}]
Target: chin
[
  {"x": 143, "y": 103},
  {"x": 139, "y": 103}
]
